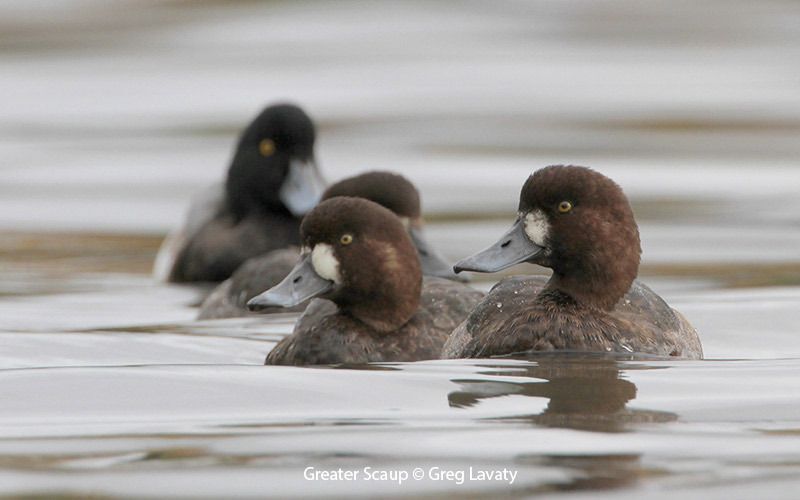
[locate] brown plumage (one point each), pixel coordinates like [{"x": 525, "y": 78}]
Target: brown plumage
[
  {"x": 591, "y": 302},
  {"x": 515, "y": 317},
  {"x": 326, "y": 335},
  {"x": 387, "y": 189},
  {"x": 384, "y": 311}
]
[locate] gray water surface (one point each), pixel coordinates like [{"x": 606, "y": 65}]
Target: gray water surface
[{"x": 109, "y": 386}]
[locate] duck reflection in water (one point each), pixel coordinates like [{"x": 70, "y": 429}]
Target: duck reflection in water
[{"x": 585, "y": 393}]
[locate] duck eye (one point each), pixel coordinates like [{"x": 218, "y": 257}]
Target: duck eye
[
  {"x": 266, "y": 147},
  {"x": 564, "y": 207},
  {"x": 346, "y": 239}
]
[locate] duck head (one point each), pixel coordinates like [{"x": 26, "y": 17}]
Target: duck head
[
  {"x": 399, "y": 195},
  {"x": 357, "y": 254},
  {"x": 273, "y": 168},
  {"x": 577, "y": 222}
]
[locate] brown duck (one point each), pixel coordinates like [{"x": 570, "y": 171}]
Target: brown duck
[
  {"x": 359, "y": 255},
  {"x": 578, "y": 223}
]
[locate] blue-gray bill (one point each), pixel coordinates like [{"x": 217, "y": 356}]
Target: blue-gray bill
[
  {"x": 512, "y": 248},
  {"x": 432, "y": 263},
  {"x": 303, "y": 187},
  {"x": 301, "y": 284}
]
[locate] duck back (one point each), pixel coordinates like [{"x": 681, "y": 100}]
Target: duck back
[
  {"x": 520, "y": 314},
  {"x": 221, "y": 245},
  {"x": 325, "y": 335}
]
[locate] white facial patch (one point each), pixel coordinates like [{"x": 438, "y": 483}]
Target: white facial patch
[
  {"x": 536, "y": 227},
  {"x": 325, "y": 263},
  {"x": 406, "y": 222}
]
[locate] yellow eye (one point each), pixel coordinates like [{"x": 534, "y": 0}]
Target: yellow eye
[
  {"x": 564, "y": 207},
  {"x": 346, "y": 239},
  {"x": 266, "y": 147}
]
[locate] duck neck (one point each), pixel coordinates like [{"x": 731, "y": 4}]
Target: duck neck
[
  {"x": 389, "y": 297},
  {"x": 383, "y": 314},
  {"x": 598, "y": 287},
  {"x": 597, "y": 275}
]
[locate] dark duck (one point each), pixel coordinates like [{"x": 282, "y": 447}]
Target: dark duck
[
  {"x": 578, "y": 223},
  {"x": 390, "y": 190},
  {"x": 272, "y": 182},
  {"x": 360, "y": 256}
]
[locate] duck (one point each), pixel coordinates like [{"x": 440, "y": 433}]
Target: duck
[
  {"x": 371, "y": 300},
  {"x": 272, "y": 181},
  {"x": 388, "y": 189},
  {"x": 579, "y": 223}
]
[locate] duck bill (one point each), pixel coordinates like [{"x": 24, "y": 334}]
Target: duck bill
[
  {"x": 303, "y": 187},
  {"x": 512, "y": 248},
  {"x": 432, "y": 263},
  {"x": 301, "y": 284}
]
